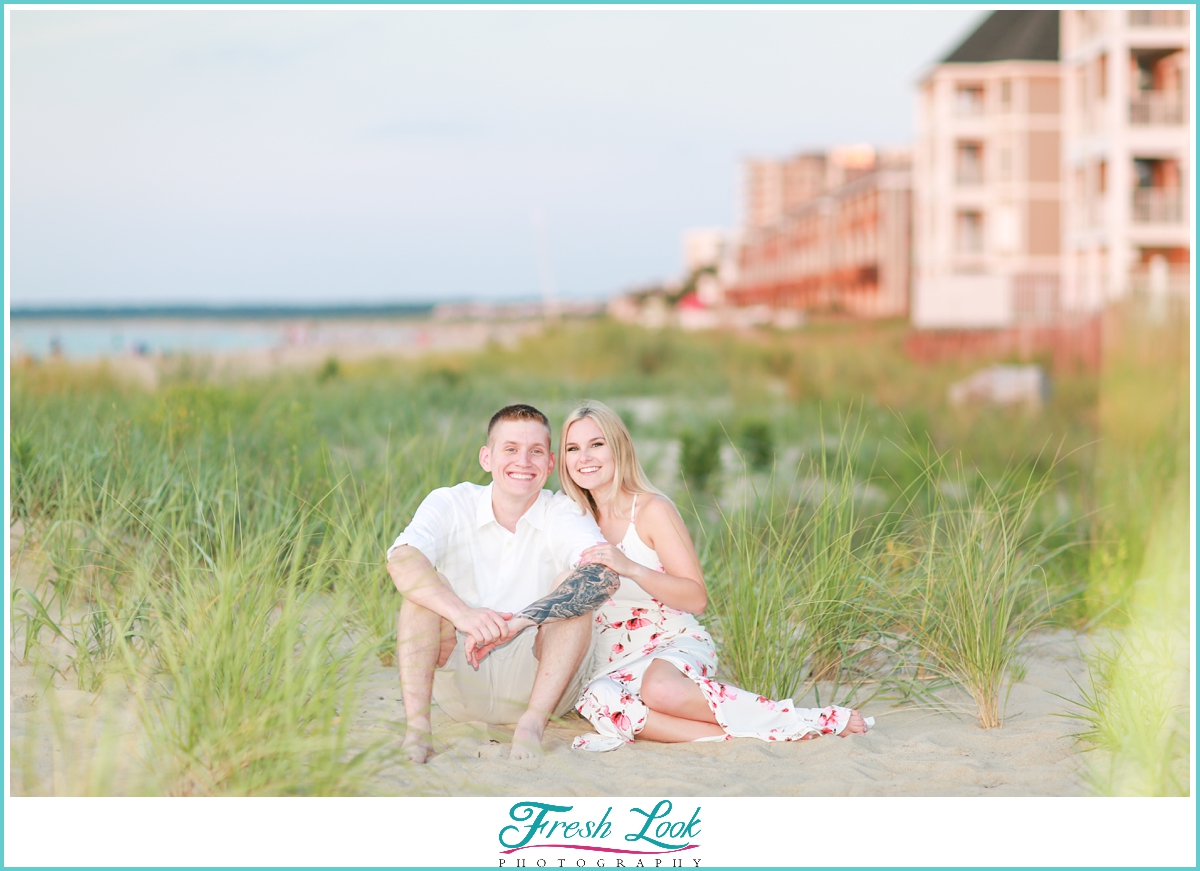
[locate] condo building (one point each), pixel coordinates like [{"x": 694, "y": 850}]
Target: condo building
[
  {"x": 987, "y": 179},
  {"x": 826, "y": 231},
  {"x": 1126, "y": 154}
]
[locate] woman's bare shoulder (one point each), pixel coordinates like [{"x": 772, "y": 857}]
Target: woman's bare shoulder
[
  {"x": 665, "y": 532},
  {"x": 655, "y": 505},
  {"x": 658, "y": 512}
]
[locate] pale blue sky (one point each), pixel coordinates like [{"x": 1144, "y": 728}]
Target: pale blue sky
[{"x": 318, "y": 156}]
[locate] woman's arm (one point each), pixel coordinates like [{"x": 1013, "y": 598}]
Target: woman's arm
[{"x": 681, "y": 583}]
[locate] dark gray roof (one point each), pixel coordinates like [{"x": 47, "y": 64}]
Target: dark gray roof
[{"x": 1010, "y": 34}]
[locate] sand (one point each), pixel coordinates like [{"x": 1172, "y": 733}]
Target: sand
[
  {"x": 66, "y": 742},
  {"x": 909, "y": 752}
]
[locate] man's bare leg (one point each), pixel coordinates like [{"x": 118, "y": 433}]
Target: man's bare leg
[
  {"x": 424, "y": 642},
  {"x": 561, "y": 648}
]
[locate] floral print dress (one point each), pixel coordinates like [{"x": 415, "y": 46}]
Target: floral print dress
[{"x": 634, "y": 629}]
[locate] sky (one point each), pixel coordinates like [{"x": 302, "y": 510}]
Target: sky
[{"x": 315, "y": 156}]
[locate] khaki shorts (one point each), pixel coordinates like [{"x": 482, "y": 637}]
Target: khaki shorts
[{"x": 499, "y": 691}]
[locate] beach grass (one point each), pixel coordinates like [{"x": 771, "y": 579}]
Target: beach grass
[
  {"x": 978, "y": 587},
  {"x": 215, "y": 545}
]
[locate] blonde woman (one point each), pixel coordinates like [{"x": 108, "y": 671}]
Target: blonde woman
[{"x": 657, "y": 671}]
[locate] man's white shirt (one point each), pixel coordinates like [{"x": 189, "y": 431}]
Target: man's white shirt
[{"x": 488, "y": 566}]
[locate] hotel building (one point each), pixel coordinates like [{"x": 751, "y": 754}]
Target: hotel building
[
  {"x": 987, "y": 179},
  {"x": 1126, "y": 154},
  {"x": 826, "y": 232}
]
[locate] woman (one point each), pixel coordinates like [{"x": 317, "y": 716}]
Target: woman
[{"x": 657, "y": 674}]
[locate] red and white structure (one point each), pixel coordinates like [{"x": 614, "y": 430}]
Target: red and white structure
[{"x": 828, "y": 232}]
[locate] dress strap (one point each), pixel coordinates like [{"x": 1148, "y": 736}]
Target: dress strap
[{"x": 633, "y": 510}]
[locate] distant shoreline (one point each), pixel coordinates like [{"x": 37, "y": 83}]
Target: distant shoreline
[{"x": 220, "y": 312}]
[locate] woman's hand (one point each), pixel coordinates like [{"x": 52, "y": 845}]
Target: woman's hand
[{"x": 612, "y": 556}]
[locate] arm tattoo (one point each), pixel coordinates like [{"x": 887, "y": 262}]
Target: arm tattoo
[{"x": 584, "y": 590}]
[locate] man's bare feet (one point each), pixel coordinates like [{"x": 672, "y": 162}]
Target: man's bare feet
[
  {"x": 527, "y": 737},
  {"x": 417, "y": 746},
  {"x": 856, "y": 726}
]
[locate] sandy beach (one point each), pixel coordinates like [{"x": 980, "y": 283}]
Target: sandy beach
[
  {"x": 908, "y": 753},
  {"x": 69, "y": 742}
]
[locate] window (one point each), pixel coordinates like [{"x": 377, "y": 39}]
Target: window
[
  {"x": 969, "y": 236},
  {"x": 969, "y": 163},
  {"x": 968, "y": 100},
  {"x": 1102, "y": 76},
  {"x": 1005, "y": 164},
  {"x": 1145, "y": 72},
  {"x": 1143, "y": 171},
  {"x": 1006, "y": 93}
]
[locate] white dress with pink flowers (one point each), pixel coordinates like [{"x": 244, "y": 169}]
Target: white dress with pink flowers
[{"x": 634, "y": 630}]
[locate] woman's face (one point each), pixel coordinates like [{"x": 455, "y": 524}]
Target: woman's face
[{"x": 587, "y": 456}]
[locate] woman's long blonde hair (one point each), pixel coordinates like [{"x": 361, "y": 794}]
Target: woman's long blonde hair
[{"x": 628, "y": 474}]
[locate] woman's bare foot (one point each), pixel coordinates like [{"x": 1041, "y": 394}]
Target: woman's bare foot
[
  {"x": 856, "y": 726},
  {"x": 527, "y": 737}
]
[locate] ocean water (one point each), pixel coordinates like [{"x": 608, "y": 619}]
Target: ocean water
[{"x": 81, "y": 339}]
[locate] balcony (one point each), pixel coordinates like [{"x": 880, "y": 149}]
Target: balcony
[
  {"x": 1157, "y": 206},
  {"x": 1158, "y": 18},
  {"x": 1036, "y": 297},
  {"x": 968, "y": 164},
  {"x": 1154, "y": 108},
  {"x": 968, "y": 101},
  {"x": 1173, "y": 281}
]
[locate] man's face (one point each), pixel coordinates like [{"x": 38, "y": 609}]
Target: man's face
[{"x": 518, "y": 456}]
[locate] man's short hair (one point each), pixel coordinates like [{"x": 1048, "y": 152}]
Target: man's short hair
[{"x": 517, "y": 412}]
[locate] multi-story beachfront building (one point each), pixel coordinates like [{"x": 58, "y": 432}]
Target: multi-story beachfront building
[
  {"x": 987, "y": 179},
  {"x": 827, "y": 231},
  {"x": 772, "y": 188},
  {"x": 1126, "y": 153}
]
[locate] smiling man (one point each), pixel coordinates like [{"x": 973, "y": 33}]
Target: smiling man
[{"x": 472, "y": 557}]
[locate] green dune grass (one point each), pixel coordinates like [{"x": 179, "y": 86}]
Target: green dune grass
[{"x": 216, "y": 547}]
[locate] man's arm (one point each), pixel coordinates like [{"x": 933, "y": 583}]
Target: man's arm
[
  {"x": 583, "y": 590},
  {"x": 418, "y": 581}
]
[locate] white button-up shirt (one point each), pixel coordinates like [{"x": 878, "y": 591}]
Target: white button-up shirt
[{"x": 488, "y": 566}]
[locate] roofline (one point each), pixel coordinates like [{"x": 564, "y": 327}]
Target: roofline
[{"x": 935, "y": 68}]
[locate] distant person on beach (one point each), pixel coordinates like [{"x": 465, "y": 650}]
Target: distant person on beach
[
  {"x": 656, "y": 665},
  {"x": 471, "y": 557}
]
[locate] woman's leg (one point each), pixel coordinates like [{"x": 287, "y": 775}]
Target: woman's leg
[
  {"x": 677, "y": 707},
  {"x": 667, "y": 690},
  {"x": 666, "y": 729}
]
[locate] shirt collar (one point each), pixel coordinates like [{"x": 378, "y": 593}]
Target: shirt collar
[
  {"x": 483, "y": 508},
  {"x": 535, "y": 516}
]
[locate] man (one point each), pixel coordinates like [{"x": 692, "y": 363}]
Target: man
[{"x": 473, "y": 556}]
